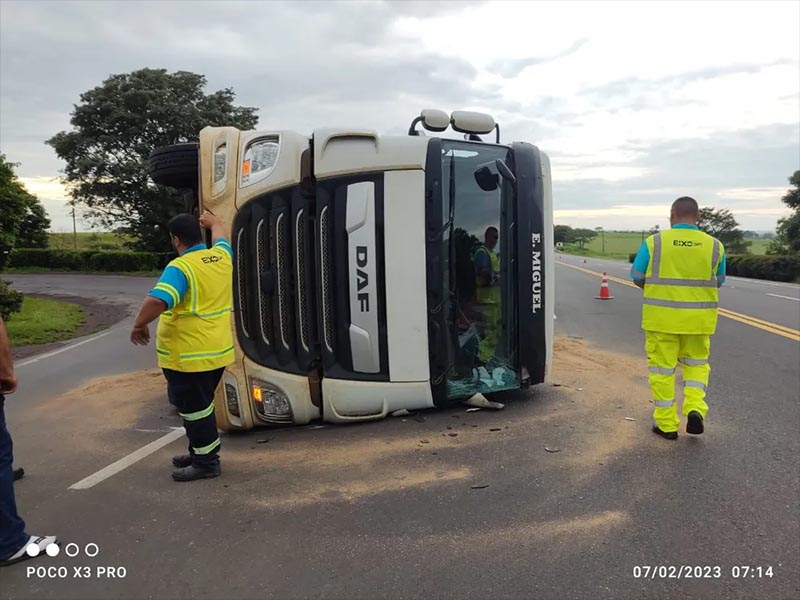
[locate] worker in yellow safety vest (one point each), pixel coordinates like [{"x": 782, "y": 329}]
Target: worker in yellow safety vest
[
  {"x": 194, "y": 343},
  {"x": 680, "y": 271},
  {"x": 487, "y": 293}
]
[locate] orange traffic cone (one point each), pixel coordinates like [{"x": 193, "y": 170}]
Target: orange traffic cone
[{"x": 605, "y": 293}]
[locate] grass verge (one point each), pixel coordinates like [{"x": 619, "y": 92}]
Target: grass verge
[{"x": 42, "y": 321}]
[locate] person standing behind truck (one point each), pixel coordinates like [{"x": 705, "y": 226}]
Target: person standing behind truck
[
  {"x": 680, "y": 271},
  {"x": 487, "y": 293},
  {"x": 194, "y": 343},
  {"x": 14, "y": 542}
]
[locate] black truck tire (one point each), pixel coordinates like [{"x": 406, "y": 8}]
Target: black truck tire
[{"x": 175, "y": 166}]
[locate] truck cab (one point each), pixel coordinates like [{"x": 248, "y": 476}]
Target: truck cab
[{"x": 374, "y": 273}]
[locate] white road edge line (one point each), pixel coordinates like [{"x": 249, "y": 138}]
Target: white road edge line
[
  {"x": 787, "y": 297},
  {"x": 759, "y": 282},
  {"x": 132, "y": 458},
  {"x": 39, "y": 357}
]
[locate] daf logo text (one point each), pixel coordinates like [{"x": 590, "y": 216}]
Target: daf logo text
[{"x": 362, "y": 278}]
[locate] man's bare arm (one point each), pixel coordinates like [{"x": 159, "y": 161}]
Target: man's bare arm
[
  {"x": 150, "y": 310},
  {"x": 213, "y": 223},
  {"x": 8, "y": 382}
]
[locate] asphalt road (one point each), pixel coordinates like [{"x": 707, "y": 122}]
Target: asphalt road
[{"x": 388, "y": 509}]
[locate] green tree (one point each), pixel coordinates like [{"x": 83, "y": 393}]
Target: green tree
[
  {"x": 14, "y": 203},
  {"x": 723, "y": 226},
  {"x": 584, "y": 236},
  {"x": 787, "y": 239},
  {"x": 564, "y": 234},
  {"x": 34, "y": 225},
  {"x": 114, "y": 129}
]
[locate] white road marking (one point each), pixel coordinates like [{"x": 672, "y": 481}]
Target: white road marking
[
  {"x": 30, "y": 361},
  {"x": 787, "y": 297},
  {"x": 761, "y": 282},
  {"x": 127, "y": 461}
]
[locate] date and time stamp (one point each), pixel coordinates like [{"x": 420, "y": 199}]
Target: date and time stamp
[
  {"x": 654, "y": 572},
  {"x": 643, "y": 571}
]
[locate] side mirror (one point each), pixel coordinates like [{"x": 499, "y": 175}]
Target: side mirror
[
  {"x": 488, "y": 175},
  {"x": 432, "y": 120},
  {"x": 472, "y": 122},
  {"x": 485, "y": 179}
]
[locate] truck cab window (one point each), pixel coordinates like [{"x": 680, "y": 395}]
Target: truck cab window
[{"x": 482, "y": 315}]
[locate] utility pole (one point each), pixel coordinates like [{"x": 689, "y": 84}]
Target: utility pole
[{"x": 602, "y": 237}]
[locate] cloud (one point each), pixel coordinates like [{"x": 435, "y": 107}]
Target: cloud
[
  {"x": 629, "y": 116},
  {"x": 511, "y": 67}
]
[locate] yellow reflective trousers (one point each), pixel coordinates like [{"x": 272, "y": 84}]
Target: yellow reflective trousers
[{"x": 665, "y": 351}]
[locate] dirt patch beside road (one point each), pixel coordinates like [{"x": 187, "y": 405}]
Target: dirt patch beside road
[
  {"x": 98, "y": 315},
  {"x": 118, "y": 402}
]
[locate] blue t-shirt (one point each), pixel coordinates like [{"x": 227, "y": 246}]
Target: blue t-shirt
[
  {"x": 642, "y": 260},
  {"x": 482, "y": 259},
  {"x": 173, "y": 285}
]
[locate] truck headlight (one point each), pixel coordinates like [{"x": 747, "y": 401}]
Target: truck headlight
[{"x": 270, "y": 402}]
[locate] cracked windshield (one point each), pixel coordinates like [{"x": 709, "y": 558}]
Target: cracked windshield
[{"x": 481, "y": 292}]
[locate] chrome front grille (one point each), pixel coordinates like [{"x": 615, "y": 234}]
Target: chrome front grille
[
  {"x": 281, "y": 258},
  {"x": 302, "y": 302},
  {"x": 325, "y": 269},
  {"x": 264, "y": 300},
  {"x": 241, "y": 267}
]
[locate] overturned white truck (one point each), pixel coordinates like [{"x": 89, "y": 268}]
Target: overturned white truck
[{"x": 375, "y": 273}]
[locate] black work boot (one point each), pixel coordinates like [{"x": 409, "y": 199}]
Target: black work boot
[
  {"x": 19, "y": 474},
  {"x": 669, "y": 435},
  {"x": 194, "y": 472},
  {"x": 182, "y": 460},
  {"x": 694, "y": 423}
]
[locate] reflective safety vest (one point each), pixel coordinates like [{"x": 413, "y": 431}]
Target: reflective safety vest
[
  {"x": 488, "y": 294},
  {"x": 196, "y": 334},
  {"x": 681, "y": 293}
]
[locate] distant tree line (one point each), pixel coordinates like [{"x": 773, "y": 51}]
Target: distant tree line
[{"x": 719, "y": 223}]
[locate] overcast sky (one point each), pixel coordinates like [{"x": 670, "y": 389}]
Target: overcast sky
[{"x": 636, "y": 103}]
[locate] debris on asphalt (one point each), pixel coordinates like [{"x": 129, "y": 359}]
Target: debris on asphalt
[
  {"x": 629, "y": 419},
  {"x": 579, "y": 389},
  {"x": 420, "y": 419},
  {"x": 474, "y": 409},
  {"x": 449, "y": 427},
  {"x": 495, "y": 429},
  {"x": 479, "y": 486},
  {"x": 552, "y": 449},
  {"x": 481, "y": 401},
  {"x": 401, "y": 413},
  {"x": 424, "y": 441},
  {"x": 263, "y": 440},
  {"x": 452, "y": 434}
]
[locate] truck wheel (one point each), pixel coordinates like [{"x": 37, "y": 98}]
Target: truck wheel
[{"x": 175, "y": 166}]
